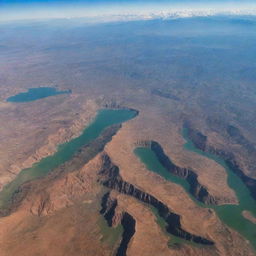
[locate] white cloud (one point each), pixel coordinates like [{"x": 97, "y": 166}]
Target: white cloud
[{"x": 123, "y": 13}]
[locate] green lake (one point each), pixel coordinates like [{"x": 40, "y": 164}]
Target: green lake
[
  {"x": 231, "y": 215},
  {"x": 66, "y": 151},
  {"x": 35, "y": 94}
]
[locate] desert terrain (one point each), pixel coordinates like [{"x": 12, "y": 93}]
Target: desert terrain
[{"x": 192, "y": 74}]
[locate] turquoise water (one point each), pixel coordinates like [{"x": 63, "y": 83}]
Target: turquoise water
[
  {"x": 232, "y": 214},
  {"x": 66, "y": 151},
  {"x": 149, "y": 158},
  {"x": 229, "y": 214},
  {"x": 35, "y": 94}
]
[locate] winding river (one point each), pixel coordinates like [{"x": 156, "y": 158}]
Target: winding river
[
  {"x": 66, "y": 151},
  {"x": 229, "y": 214}
]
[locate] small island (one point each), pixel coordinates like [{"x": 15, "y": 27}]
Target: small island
[{"x": 36, "y": 93}]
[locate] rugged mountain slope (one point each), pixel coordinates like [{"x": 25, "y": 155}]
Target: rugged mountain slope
[{"x": 203, "y": 80}]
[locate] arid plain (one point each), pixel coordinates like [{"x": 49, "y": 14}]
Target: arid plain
[{"x": 187, "y": 74}]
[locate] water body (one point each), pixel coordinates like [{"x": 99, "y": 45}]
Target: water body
[
  {"x": 66, "y": 151},
  {"x": 35, "y": 94},
  {"x": 149, "y": 158},
  {"x": 231, "y": 215}
]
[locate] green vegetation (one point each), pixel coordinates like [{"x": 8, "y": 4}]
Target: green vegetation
[
  {"x": 174, "y": 241},
  {"x": 110, "y": 235}
]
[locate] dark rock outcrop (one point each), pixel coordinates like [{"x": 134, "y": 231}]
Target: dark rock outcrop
[
  {"x": 128, "y": 223},
  {"x": 196, "y": 189},
  {"x": 196, "y": 138},
  {"x": 83, "y": 156},
  {"x": 108, "y": 205},
  {"x": 164, "y": 94},
  {"x": 234, "y": 166},
  {"x": 109, "y": 177},
  {"x": 114, "y": 217}
]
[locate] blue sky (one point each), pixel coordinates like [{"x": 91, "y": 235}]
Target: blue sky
[
  {"x": 50, "y": 2},
  {"x": 139, "y": 2},
  {"x": 48, "y": 9}
]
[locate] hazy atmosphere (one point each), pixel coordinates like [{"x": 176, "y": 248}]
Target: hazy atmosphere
[
  {"x": 127, "y": 128},
  {"x": 107, "y": 10}
]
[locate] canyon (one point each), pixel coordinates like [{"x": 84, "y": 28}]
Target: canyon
[{"x": 186, "y": 116}]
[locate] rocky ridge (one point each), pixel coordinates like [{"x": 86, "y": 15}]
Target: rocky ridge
[
  {"x": 109, "y": 177},
  {"x": 201, "y": 142}
]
